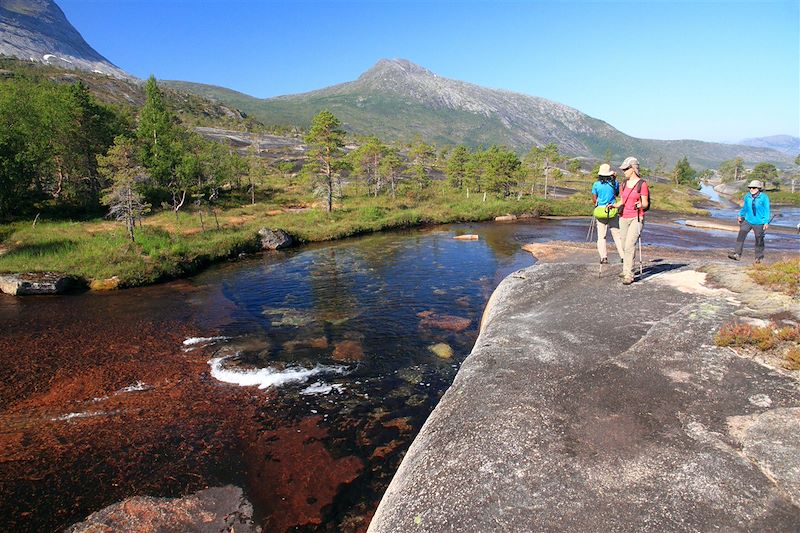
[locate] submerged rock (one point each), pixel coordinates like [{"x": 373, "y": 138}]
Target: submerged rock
[
  {"x": 448, "y": 322},
  {"x": 289, "y": 317},
  {"x": 442, "y": 350},
  {"x": 210, "y": 510},
  {"x": 348, "y": 351}
]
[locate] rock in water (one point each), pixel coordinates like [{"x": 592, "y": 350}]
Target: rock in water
[
  {"x": 274, "y": 239},
  {"x": 348, "y": 351},
  {"x": 38, "y": 283},
  {"x": 442, "y": 350},
  {"x": 210, "y": 510}
]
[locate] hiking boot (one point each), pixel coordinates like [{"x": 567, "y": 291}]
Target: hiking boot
[
  {"x": 734, "y": 256},
  {"x": 758, "y": 260},
  {"x": 627, "y": 280},
  {"x": 604, "y": 261}
]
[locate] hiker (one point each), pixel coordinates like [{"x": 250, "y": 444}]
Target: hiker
[
  {"x": 754, "y": 215},
  {"x": 604, "y": 193},
  {"x": 634, "y": 200}
]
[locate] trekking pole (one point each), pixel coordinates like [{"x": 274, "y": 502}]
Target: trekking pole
[
  {"x": 591, "y": 227},
  {"x": 641, "y": 261}
]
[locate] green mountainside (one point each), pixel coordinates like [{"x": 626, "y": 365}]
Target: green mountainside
[
  {"x": 193, "y": 109},
  {"x": 398, "y": 100}
]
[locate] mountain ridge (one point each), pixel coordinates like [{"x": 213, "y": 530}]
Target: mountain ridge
[
  {"x": 399, "y": 100},
  {"x": 787, "y": 144}
]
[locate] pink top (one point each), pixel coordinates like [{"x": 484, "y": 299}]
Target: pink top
[{"x": 629, "y": 199}]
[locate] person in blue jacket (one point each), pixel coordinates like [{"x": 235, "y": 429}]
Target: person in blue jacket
[
  {"x": 754, "y": 215},
  {"x": 604, "y": 193}
]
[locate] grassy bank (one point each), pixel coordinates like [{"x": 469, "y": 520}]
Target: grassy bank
[
  {"x": 784, "y": 198},
  {"x": 168, "y": 247}
]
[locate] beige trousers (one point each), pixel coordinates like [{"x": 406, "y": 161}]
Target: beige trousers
[
  {"x": 602, "y": 231},
  {"x": 629, "y": 230}
]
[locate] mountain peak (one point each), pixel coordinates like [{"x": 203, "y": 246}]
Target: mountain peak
[
  {"x": 395, "y": 67},
  {"x": 37, "y": 30}
]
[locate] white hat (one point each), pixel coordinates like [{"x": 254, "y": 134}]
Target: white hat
[
  {"x": 605, "y": 170},
  {"x": 755, "y": 183},
  {"x": 630, "y": 162}
]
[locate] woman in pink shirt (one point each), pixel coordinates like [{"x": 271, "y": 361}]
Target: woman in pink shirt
[{"x": 633, "y": 202}]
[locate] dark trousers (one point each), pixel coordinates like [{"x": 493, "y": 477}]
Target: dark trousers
[{"x": 758, "y": 231}]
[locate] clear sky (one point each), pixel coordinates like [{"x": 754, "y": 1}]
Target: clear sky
[{"x": 714, "y": 70}]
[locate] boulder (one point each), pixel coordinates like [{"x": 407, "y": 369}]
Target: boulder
[
  {"x": 39, "y": 283},
  {"x": 210, "y": 510},
  {"x": 108, "y": 284},
  {"x": 505, "y": 218},
  {"x": 274, "y": 239}
]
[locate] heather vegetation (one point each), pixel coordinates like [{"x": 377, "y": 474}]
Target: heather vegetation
[{"x": 780, "y": 342}]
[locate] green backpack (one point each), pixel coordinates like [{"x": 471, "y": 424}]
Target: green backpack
[{"x": 605, "y": 212}]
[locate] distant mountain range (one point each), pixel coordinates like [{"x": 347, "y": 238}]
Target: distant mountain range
[
  {"x": 395, "y": 100},
  {"x": 398, "y": 100},
  {"x": 782, "y": 143},
  {"x": 37, "y": 30}
]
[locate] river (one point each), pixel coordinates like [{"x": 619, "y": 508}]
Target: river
[{"x": 301, "y": 376}]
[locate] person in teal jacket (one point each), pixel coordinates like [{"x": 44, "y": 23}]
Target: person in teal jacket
[{"x": 754, "y": 215}]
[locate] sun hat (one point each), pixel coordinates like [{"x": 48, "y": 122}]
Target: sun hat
[
  {"x": 629, "y": 162},
  {"x": 605, "y": 170},
  {"x": 755, "y": 183}
]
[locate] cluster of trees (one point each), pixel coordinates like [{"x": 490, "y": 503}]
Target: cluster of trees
[
  {"x": 62, "y": 150},
  {"x": 50, "y": 136},
  {"x": 384, "y": 168},
  {"x": 734, "y": 170}
]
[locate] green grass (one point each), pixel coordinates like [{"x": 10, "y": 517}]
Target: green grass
[
  {"x": 784, "y": 197},
  {"x": 167, "y": 247}
]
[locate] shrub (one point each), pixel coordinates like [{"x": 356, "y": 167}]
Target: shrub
[
  {"x": 746, "y": 335},
  {"x": 788, "y": 333},
  {"x": 792, "y": 358},
  {"x": 781, "y": 276}
]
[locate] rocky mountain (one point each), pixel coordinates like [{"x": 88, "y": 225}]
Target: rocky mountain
[
  {"x": 782, "y": 143},
  {"x": 37, "y": 30},
  {"x": 396, "y": 99}
]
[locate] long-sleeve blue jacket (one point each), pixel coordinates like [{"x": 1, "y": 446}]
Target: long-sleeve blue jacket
[{"x": 758, "y": 214}]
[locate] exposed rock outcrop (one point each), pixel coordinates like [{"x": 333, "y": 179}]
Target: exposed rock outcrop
[{"x": 571, "y": 414}]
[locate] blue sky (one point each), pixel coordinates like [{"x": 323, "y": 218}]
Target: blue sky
[{"x": 716, "y": 71}]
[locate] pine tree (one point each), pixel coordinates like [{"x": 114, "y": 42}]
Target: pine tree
[
  {"x": 684, "y": 174},
  {"x": 456, "y": 169},
  {"x": 157, "y": 136},
  {"x": 121, "y": 168},
  {"x": 326, "y": 142}
]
